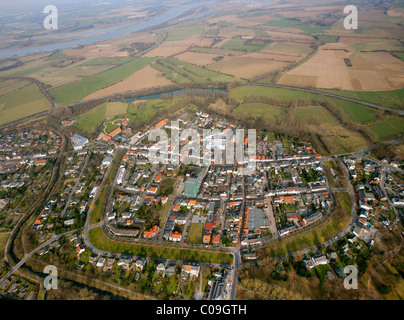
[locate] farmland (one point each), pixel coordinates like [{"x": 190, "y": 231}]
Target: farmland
[
  {"x": 390, "y": 99},
  {"x": 240, "y": 45},
  {"x": 356, "y": 112},
  {"x": 247, "y": 68},
  {"x": 327, "y": 69},
  {"x": 20, "y": 100},
  {"x": 290, "y": 23},
  {"x": 308, "y": 117},
  {"x": 182, "y": 72},
  {"x": 78, "y": 90},
  {"x": 388, "y": 129},
  {"x": 145, "y": 78},
  {"x": 272, "y": 113}
]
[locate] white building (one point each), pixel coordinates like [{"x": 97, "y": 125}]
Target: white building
[
  {"x": 121, "y": 175},
  {"x": 79, "y": 142},
  {"x": 107, "y": 161}
]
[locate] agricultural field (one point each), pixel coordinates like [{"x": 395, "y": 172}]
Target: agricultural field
[
  {"x": 314, "y": 115},
  {"x": 147, "y": 77},
  {"x": 240, "y": 45},
  {"x": 8, "y": 86},
  {"x": 289, "y": 48},
  {"x": 342, "y": 141},
  {"x": 198, "y": 58},
  {"x": 390, "y": 99},
  {"x": 78, "y": 90},
  {"x": 181, "y": 33},
  {"x": 334, "y": 137},
  {"x": 243, "y": 92},
  {"x": 182, "y": 72},
  {"x": 388, "y": 129},
  {"x": 357, "y": 113},
  {"x": 267, "y": 111},
  {"x": 247, "y": 68},
  {"x": 20, "y": 100}
]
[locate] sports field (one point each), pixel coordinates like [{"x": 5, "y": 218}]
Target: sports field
[{"x": 195, "y": 233}]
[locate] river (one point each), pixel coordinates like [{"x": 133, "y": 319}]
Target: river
[
  {"x": 182, "y": 91},
  {"x": 108, "y": 33}
]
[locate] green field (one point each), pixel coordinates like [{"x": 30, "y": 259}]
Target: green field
[
  {"x": 182, "y": 72},
  {"x": 388, "y": 128},
  {"x": 103, "y": 61},
  {"x": 240, "y": 45},
  {"x": 26, "y": 71},
  {"x": 100, "y": 241},
  {"x": 399, "y": 55},
  {"x": 3, "y": 242},
  {"x": 195, "y": 233},
  {"x": 272, "y": 113},
  {"x": 314, "y": 115},
  {"x": 98, "y": 211},
  {"x": 391, "y": 99},
  {"x": 357, "y": 113},
  {"x": 284, "y": 95},
  {"x": 328, "y": 39},
  {"x": 164, "y": 214},
  {"x": 183, "y": 32},
  {"x": 109, "y": 127},
  {"x": 212, "y": 32},
  {"x": 76, "y": 91},
  {"x": 292, "y": 23},
  {"x": 8, "y": 86},
  {"x": 147, "y": 110},
  {"x": 21, "y": 103},
  {"x": 380, "y": 44},
  {"x": 87, "y": 123},
  {"x": 57, "y": 55}
]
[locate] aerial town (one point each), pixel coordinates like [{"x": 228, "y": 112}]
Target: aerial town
[
  {"x": 196, "y": 153},
  {"x": 211, "y": 207}
]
